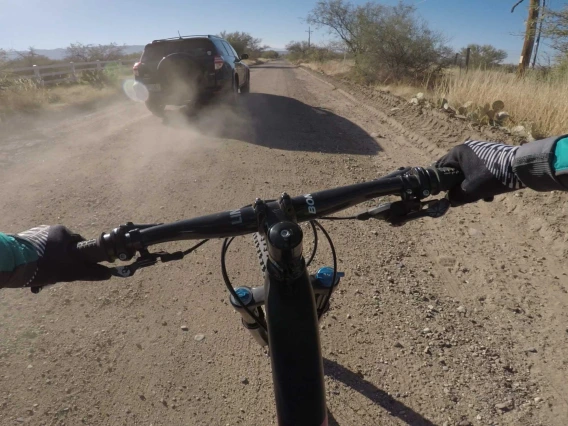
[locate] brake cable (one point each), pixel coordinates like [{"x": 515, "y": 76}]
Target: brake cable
[{"x": 334, "y": 255}]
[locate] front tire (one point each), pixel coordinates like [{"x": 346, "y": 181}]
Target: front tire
[{"x": 245, "y": 88}]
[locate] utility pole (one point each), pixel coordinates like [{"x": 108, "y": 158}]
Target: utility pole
[
  {"x": 309, "y": 31},
  {"x": 467, "y": 59},
  {"x": 537, "y": 42},
  {"x": 530, "y": 32}
]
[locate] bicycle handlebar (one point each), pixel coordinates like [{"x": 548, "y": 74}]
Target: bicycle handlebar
[{"x": 123, "y": 242}]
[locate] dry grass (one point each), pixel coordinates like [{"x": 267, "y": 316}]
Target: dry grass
[
  {"x": 538, "y": 102},
  {"x": 28, "y": 97},
  {"x": 335, "y": 67}
]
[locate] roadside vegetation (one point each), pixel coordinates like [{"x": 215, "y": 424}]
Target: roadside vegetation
[{"x": 392, "y": 48}]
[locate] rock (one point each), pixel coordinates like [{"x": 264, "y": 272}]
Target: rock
[
  {"x": 395, "y": 109},
  {"x": 427, "y": 351},
  {"x": 164, "y": 323},
  {"x": 199, "y": 337},
  {"x": 464, "y": 423},
  {"x": 185, "y": 328},
  {"x": 20, "y": 420},
  {"x": 461, "y": 309},
  {"x": 426, "y": 330},
  {"x": 474, "y": 232},
  {"x": 244, "y": 381},
  {"x": 505, "y": 406},
  {"x": 30, "y": 366},
  {"x": 348, "y": 316},
  {"x": 414, "y": 101},
  {"x": 538, "y": 399},
  {"x": 519, "y": 131},
  {"x": 502, "y": 115},
  {"x": 531, "y": 350},
  {"x": 468, "y": 104},
  {"x": 420, "y": 96},
  {"x": 398, "y": 345}
]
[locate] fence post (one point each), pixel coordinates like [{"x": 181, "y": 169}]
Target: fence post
[
  {"x": 98, "y": 65},
  {"x": 73, "y": 73},
  {"x": 467, "y": 59},
  {"x": 37, "y": 75}
]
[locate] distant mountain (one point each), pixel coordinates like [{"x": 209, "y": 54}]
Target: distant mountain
[{"x": 57, "y": 54}]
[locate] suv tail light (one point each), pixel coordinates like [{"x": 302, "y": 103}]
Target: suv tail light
[
  {"x": 218, "y": 62},
  {"x": 135, "y": 68}
]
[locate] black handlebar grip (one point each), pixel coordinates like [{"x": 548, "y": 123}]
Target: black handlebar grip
[
  {"x": 92, "y": 251},
  {"x": 448, "y": 178}
]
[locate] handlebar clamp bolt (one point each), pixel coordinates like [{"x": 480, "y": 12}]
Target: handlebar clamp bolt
[
  {"x": 285, "y": 233},
  {"x": 425, "y": 192},
  {"x": 123, "y": 256},
  {"x": 409, "y": 191}
]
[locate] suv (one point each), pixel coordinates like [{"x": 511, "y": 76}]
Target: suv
[{"x": 179, "y": 70}]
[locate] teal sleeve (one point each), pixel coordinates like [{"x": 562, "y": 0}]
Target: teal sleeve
[
  {"x": 15, "y": 252},
  {"x": 560, "y": 158}
]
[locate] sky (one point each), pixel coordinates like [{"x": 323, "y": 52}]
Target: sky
[{"x": 57, "y": 23}]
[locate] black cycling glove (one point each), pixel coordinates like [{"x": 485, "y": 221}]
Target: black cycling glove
[
  {"x": 56, "y": 261},
  {"x": 487, "y": 168}
]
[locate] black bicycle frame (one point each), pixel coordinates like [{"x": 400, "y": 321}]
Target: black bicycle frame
[{"x": 291, "y": 315}]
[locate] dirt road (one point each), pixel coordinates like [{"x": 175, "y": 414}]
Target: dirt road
[{"x": 458, "y": 321}]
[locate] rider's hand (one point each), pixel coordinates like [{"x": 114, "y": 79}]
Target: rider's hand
[
  {"x": 56, "y": 261},
  {"x": 487, "y": 168}
]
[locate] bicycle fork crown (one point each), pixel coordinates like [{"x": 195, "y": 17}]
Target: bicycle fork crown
[{"x": 253, "y": 298}]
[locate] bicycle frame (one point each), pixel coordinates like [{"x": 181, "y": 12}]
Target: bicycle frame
[{"x": 292, "y": 320}]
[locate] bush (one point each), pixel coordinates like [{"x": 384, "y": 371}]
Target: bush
[
  {"x": 108, "y": 76},
  {"x": 299, "y": 51},
  {"x": 389, "y": 43},
  {"x": 270, "y": 54}
]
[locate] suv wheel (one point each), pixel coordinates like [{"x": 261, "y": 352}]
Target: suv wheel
[
  {"x": 233, "y": 92},
  {"x": 245, "y": 88},
  {"x": 155, "y": 107}
]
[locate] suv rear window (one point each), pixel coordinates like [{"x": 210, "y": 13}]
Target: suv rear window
[{"x": 195, "y": 47}]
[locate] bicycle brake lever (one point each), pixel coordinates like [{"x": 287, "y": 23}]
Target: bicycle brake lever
[
  {"x": 145, "y": 260},
  {"x": 431, "y": 208}
]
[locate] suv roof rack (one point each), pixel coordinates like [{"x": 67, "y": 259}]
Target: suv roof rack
[{"x": 185, "y": 37}]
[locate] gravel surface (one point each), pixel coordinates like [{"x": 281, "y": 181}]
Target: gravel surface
[{"x": 455, "y": 321}]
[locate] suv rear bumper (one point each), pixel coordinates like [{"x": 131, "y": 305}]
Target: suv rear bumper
[{"x": 157, "y": 94}]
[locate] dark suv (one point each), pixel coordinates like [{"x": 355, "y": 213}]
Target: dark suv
[{"x": 180, "y": 70}]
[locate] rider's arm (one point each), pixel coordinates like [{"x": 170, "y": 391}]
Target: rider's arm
[
  {"x": 543, "y": 165},
  {"x": 42, "y": 256},
  {"x": 492, "y": 168},
  {"x": 18, "y": 261}
]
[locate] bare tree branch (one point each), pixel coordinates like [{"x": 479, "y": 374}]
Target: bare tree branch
[{"x": 516, "y": 4}]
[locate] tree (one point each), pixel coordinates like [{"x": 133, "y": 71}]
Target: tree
[
  {"x": 485, "y": 56},
  {"x": 270, "y": 54},
  {"x": 389, "y": 42},
  {"x": 29, "y": 58},
  {"x": 298, "y": 47},
  {"x": 243, "y": 43},
  {"x": 78, "y": 52},
  {"x": 556, "y": 29}
]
